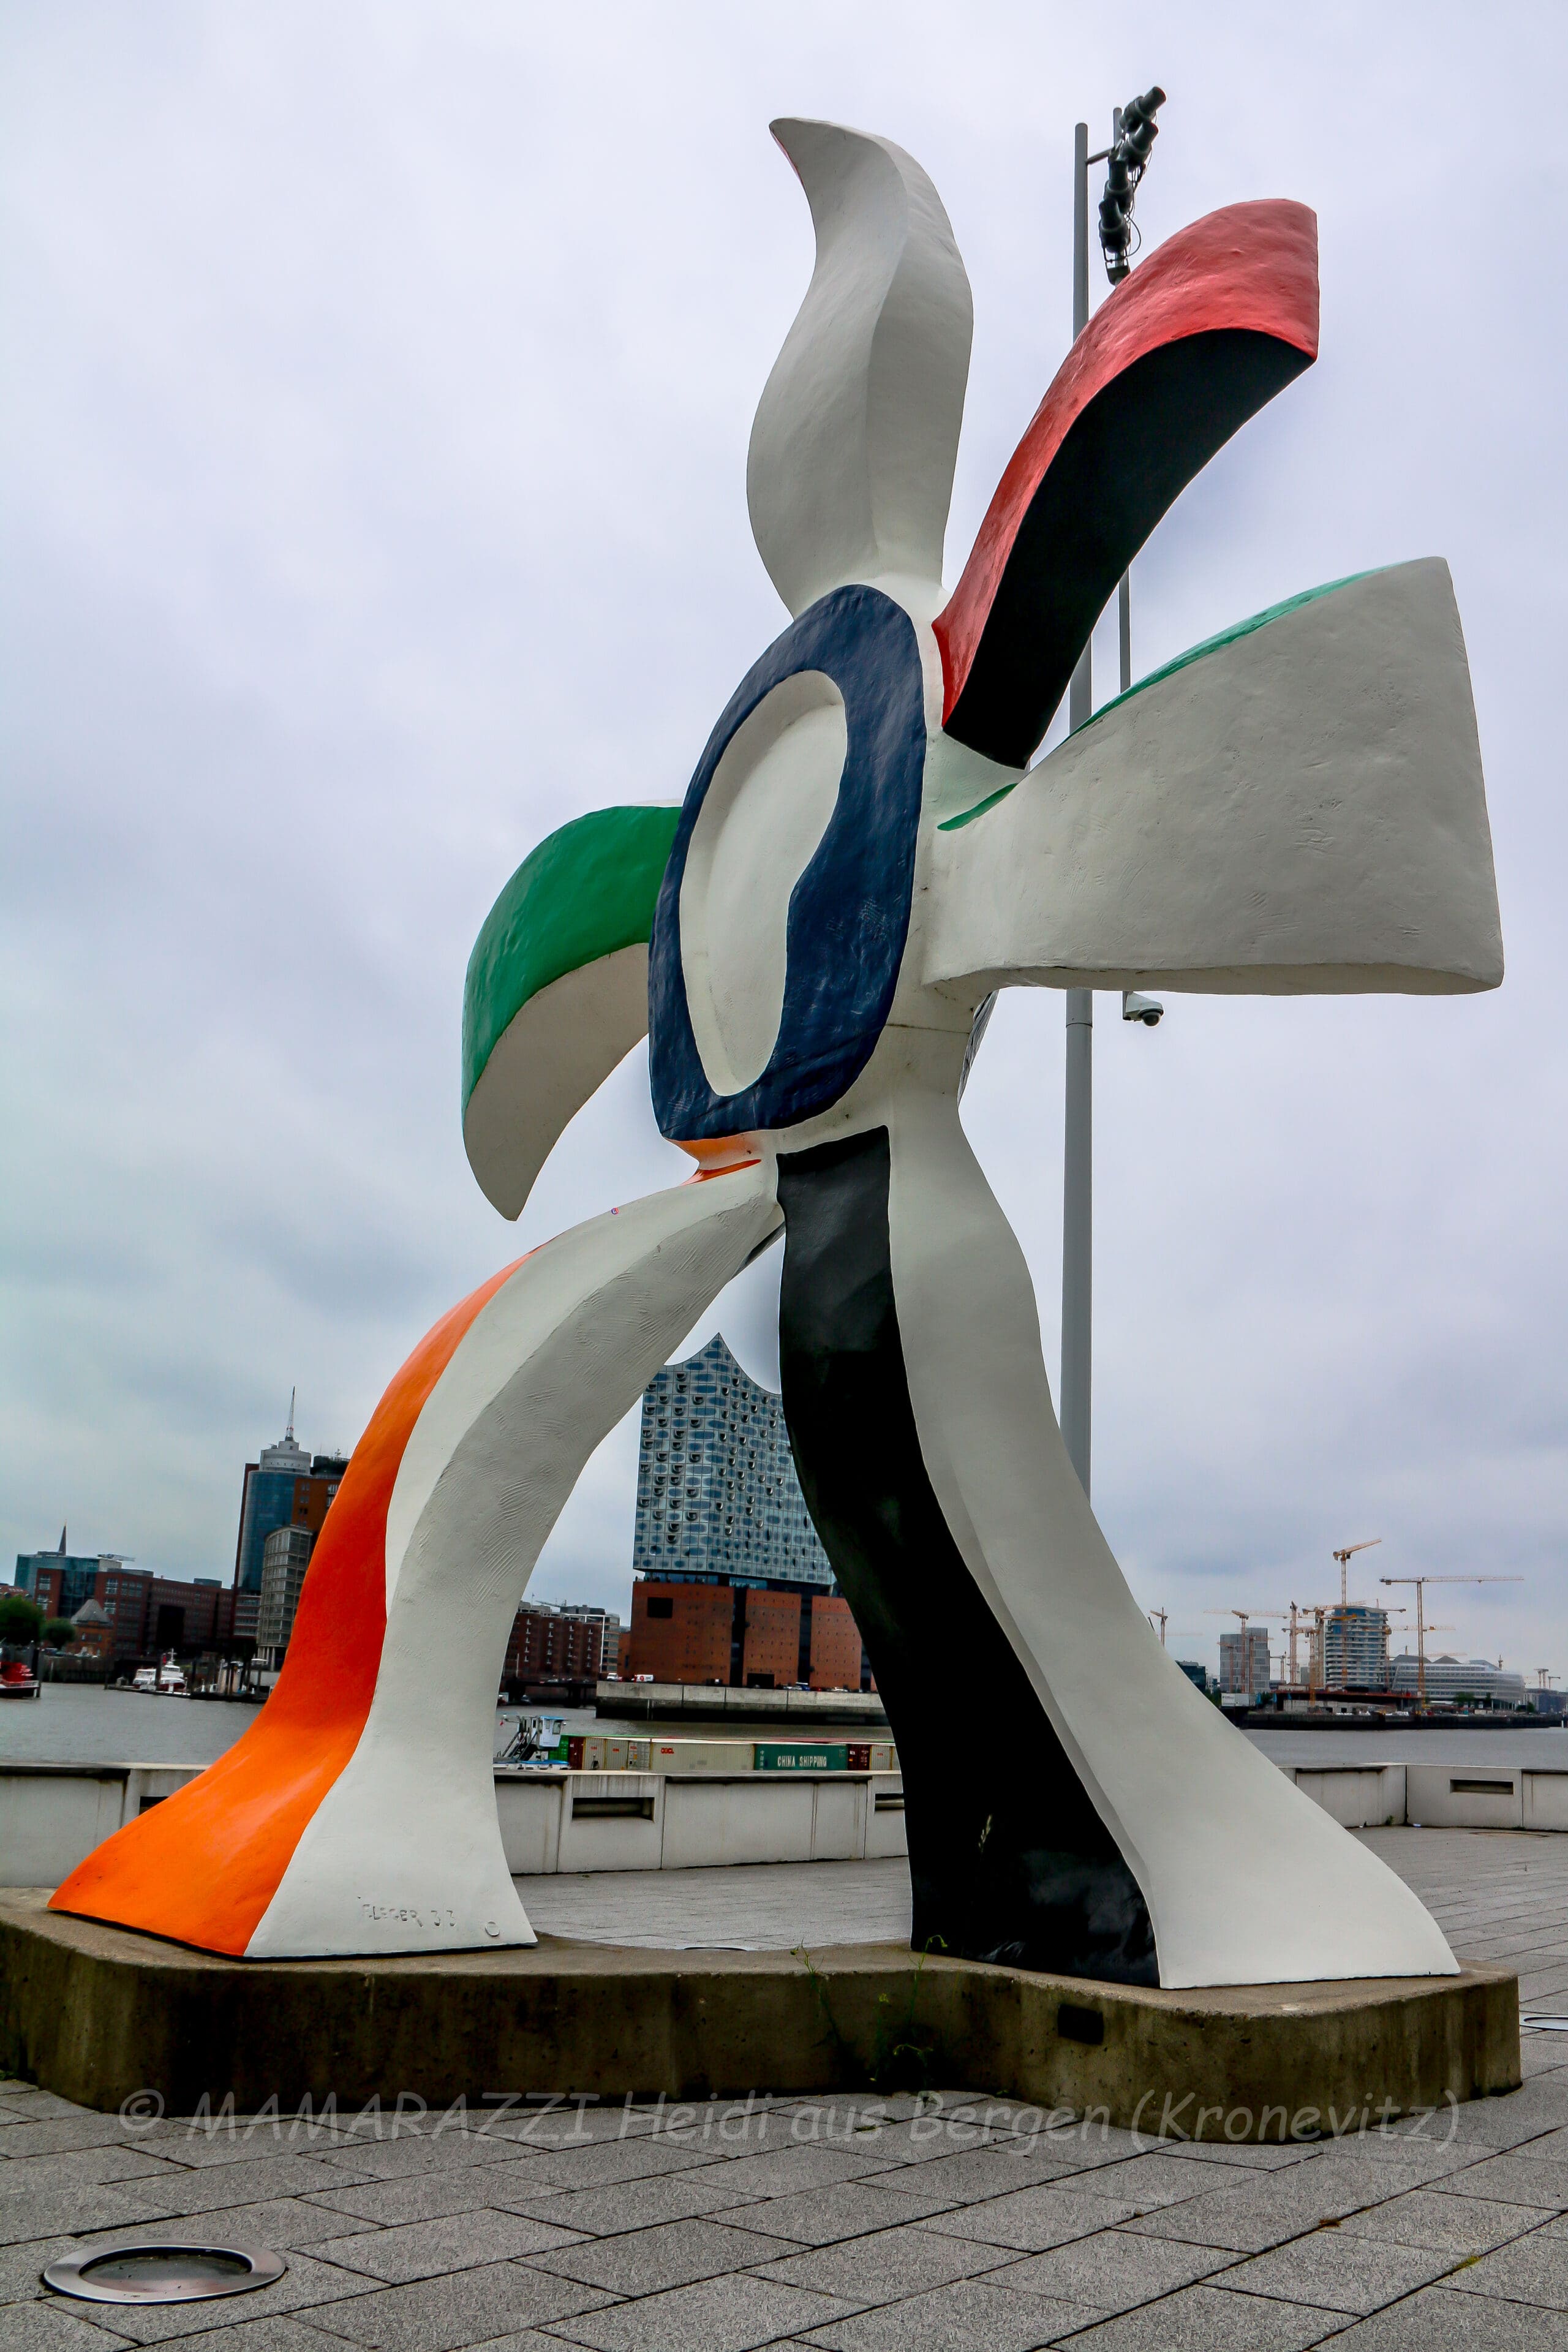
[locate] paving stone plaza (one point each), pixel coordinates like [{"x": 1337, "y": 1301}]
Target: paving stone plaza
[{"x": 860, "y": 2224}]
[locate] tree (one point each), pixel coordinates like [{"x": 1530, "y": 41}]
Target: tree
[
  {"x": 20, "y": 1619},
  {"x": 58, "y": 1632}
]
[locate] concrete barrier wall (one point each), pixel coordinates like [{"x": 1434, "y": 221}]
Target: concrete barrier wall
[
  {"x": 655, "y": 1821},
  {"x": 42, "y": 1820},
  {"x": 1359, "y": 1796},
  {"x": 1466, "y": 1796},
  {"x": 52, "y": 1816},
  {"x": 1544, "y": 1801},
  {"x": 1453, "y": 1796}
]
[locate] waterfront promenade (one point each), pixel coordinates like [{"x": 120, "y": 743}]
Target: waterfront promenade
[{"x": 853, "y": 2225}]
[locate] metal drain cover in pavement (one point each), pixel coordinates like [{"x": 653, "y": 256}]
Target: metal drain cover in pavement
[{"x": 163, "y": 2273}]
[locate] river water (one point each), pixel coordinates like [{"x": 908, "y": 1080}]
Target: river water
[{"x": 77, "y": 1723}]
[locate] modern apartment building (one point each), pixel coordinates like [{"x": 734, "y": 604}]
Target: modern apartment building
[
  {"x": 285, "y": 1557},
  {"x": 1352, "y": 1648},
  {"x": 1244, "y": 1660}
]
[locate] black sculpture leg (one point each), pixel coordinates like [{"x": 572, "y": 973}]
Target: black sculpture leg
[{"x": 1010, "y": 1860}]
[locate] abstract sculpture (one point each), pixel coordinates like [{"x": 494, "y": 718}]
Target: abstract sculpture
[{"x": 859, "y": 862}]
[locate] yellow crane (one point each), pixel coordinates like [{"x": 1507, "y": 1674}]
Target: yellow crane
[
  {"x": 1347, "y": 1555},
  {"x": 1318, "y": 1610}
]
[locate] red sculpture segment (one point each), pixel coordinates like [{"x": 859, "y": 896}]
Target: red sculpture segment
[{"x": 1206, "y": 331}]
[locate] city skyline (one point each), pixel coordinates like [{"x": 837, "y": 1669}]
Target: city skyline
[{"x": 609, "y": 1587}]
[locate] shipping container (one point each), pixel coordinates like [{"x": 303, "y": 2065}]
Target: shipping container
[
  {"x": 699, "y": 1754},
  {"x": 801, "y": 1755},
  {"x": 599, "y": 1751}
]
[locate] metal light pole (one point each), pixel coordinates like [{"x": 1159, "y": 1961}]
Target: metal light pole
[{"x": 1078, "y": 1135}]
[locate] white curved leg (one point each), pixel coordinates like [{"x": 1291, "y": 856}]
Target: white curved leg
[
  {"x": 404, "y": 1853},
  {"x": 1246, "y": 1880}
]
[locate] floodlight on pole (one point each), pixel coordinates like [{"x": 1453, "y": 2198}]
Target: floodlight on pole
[{"x": 1126, "y": 163}]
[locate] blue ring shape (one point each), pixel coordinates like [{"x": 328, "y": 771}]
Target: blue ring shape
[{"x": 848, "y": 913}]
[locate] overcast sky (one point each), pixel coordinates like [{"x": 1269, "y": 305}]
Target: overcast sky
[{"x": 376, "y": 393}]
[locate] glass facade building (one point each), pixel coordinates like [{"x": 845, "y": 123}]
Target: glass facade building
[
  {"x": 717, "y": 1491},
  {"x": 287, "y": 1487},
  {"x": 267, "y": 1502},
  {"x": 1450, "y": 1678},
  {"x": 1354, "y": 1647},
  {"x": 285, "y": 1557}
]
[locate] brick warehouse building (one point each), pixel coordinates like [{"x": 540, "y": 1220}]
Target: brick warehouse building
[
  {"x": 760, "y": 1637},
  {"x": 148, "y": 1615}
]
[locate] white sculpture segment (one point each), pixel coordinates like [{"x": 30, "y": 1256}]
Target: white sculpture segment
[
  {"x": 855, "y": 436},
  {"x": 1301, "y": 810},
  {"x": 762, "y": 825}
]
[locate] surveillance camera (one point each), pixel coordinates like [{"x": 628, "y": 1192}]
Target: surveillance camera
[{"x": 1147, "y": 1008}]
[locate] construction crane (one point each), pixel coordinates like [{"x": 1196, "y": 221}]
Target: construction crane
[
  {"x": 1317, "y": 1611},
  {"x": 1348, "y": 1554},
  {"x": 1421, "y": 1583}
]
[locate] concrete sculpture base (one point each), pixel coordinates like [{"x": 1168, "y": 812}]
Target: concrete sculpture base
[{"x": 98, "y": 2013}]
